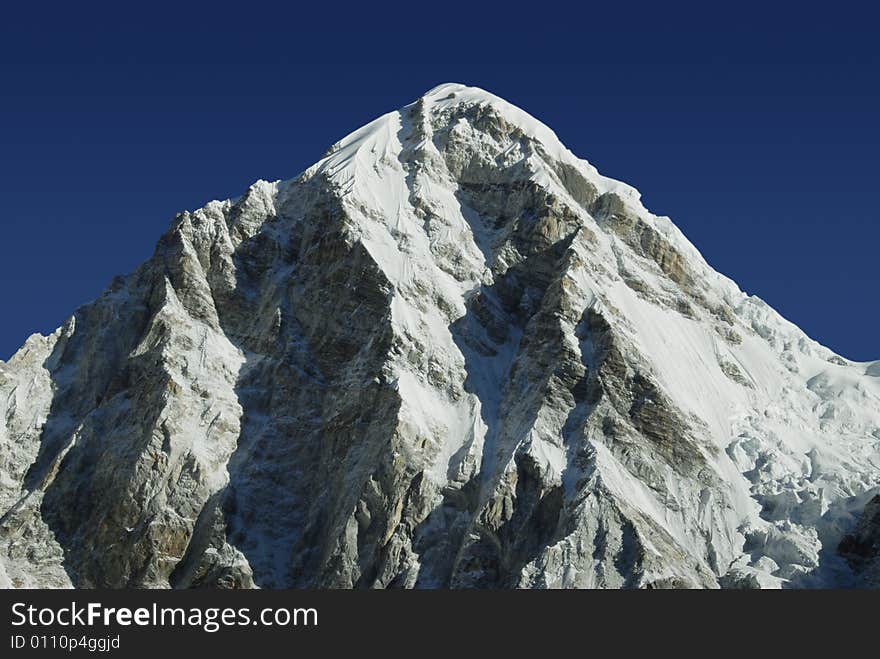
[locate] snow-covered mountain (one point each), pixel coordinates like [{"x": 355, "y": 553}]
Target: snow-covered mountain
[{"x": 449, "y": 354}]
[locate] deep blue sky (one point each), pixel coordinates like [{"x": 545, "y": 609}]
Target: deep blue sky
[{"x": 761, "y": 145}]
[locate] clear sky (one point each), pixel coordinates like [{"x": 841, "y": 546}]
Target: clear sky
[{"x": 757, "y": 131}]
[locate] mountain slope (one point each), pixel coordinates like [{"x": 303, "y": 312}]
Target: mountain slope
[{"x": 449, "y": 354}]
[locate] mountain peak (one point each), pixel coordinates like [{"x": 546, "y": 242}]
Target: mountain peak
[
  {"x": 450, "y": 353},
  {"x": 445, "y": 89},
  {"x": 459, "y": 112}
]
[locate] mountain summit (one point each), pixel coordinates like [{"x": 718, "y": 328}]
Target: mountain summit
[{"x": 449, "y": 354}]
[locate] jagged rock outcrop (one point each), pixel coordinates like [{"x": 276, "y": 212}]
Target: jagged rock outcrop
[
  {"x": 450, "y": 354},
  {"x": 861, "y": 547}
]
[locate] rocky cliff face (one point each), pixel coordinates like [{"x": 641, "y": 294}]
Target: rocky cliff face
[{"x": 450, "y": 354}]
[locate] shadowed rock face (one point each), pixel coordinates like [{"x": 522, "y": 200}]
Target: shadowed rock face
[
  {"x": 861, "y": 547},
  {"x": 450, "y": 354}
]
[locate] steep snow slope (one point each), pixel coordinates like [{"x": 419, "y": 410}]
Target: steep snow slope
[{"x": 450, "y": 353}]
